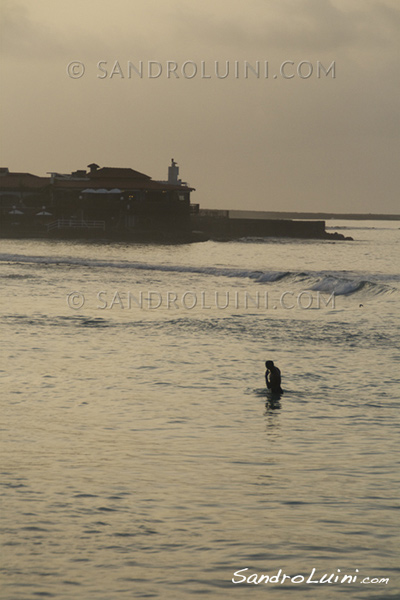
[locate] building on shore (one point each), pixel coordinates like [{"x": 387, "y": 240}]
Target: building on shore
[{"x": 106, "y": 202}]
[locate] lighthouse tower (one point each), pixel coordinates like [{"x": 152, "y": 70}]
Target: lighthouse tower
[{"x": 173, "y": 173}]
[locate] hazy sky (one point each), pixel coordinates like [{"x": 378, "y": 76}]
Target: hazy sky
[{"x": 328, "y": 144}]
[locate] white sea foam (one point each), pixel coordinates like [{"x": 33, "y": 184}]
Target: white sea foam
[{"x": 343, "y": 283}]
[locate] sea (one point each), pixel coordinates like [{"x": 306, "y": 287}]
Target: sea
[{"x": 141, "y": 455}]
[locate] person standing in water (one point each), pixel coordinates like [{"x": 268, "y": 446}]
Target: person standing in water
[{"x": 273, "y": 377}]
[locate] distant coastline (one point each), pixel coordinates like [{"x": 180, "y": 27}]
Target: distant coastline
[{"x": 256, "y": 214}]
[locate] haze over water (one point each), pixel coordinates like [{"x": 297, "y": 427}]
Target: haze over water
[{"x": 141, "y": 456}]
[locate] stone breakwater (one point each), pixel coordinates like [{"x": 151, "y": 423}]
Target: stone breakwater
[{"x": 220, "y": 225}]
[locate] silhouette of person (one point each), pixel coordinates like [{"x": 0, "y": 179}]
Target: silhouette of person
[{"x": 273, "y": 377}]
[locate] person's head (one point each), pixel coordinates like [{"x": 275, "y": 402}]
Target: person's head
[{"x": 269, "y": 364}]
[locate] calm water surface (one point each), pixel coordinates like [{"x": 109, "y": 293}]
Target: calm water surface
[{"x": 140, "y": 455}]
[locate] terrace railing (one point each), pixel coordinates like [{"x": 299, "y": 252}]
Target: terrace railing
[{"x": 76, "y": 224}]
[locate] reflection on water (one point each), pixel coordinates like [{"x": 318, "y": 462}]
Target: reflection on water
[{"x": 273, "y": 403}]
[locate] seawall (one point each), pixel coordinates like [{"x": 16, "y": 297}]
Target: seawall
[{"x": 220, "y": 224}]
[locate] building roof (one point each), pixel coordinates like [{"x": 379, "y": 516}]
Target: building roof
[
  {"x": 125, "y": 179},
  {"x": 109, "y": 178},
  {"x": 10, "y": 181},
  {"x": 117, "y": 172}
]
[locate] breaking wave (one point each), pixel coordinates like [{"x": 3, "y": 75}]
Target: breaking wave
[{"x": 341, "y": 283}]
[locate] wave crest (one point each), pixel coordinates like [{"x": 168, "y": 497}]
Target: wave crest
[{"x": 340, "y": 283}]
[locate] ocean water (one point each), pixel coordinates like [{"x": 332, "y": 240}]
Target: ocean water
[{"x": 140, "y": 454}]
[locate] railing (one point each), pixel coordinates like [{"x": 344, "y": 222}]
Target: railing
[
  {"x": 206, "y": 212},
  {"x": 76, "y": 224}
]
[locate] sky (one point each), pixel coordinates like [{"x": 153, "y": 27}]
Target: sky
[{"x": 291, "y": 141}]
